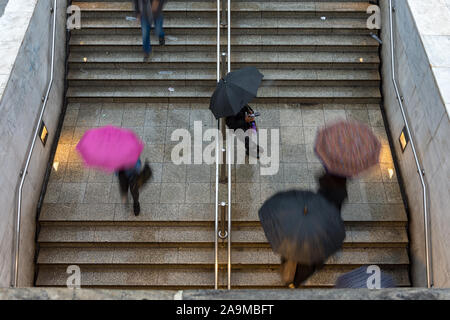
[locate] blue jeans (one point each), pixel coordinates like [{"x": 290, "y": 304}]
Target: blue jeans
[{"x": 146, "y": 27}]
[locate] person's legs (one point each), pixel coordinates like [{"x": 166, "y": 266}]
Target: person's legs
[
  {"x": 145, "y": 26},
  {"x": 287, "y": 270},
  {"x": 252, "y": 149},
  {"x": 303, "y": 272},
  {"x": 159, "y": 29},
  {"x": 134, "y": 189},
  {"x": 123, "y": 183}
]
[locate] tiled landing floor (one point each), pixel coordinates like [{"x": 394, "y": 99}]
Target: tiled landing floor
[{"x": 186, "y": 192}]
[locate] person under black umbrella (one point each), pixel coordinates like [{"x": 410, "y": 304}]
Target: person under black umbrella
[
  {"x": 305, "y": 229},
  {"x": 235, "y": 91},
  {"x": 245, "y": 120},
  {"x": 334, "y": 189}
]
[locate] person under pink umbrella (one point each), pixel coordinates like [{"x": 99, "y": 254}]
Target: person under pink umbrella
[{"x": 114, "y": 149}]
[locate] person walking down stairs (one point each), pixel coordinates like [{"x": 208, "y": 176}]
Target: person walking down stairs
[
  {"x": 133, "y": 179},
  {"x": 148, "y": 12}
]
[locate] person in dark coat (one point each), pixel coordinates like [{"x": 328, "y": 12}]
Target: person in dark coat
[
  {"x": 334, "y": 189},
  {"x": 245, "y": 121},
  {"x": 133, "y": 179},
  {"x": 148, "y": 12}
]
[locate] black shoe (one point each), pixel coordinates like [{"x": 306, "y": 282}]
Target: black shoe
[
  {"x": 137, "y": 208},
  {"x": 162, "y": 41}
]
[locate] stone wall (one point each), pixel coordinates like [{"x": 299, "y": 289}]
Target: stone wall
[
  {"x": 422, "y": 44},
  {"x": 25, "y": 57}
]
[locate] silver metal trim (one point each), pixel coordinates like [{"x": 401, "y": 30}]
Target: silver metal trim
[
  {"x": 229, "y": 155},
  {"x": 23, "y": 173},
  {"x": 216, "y": 223},
  {"x": 413, "y": 148}
]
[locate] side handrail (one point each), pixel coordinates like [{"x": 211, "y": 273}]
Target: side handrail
[
  {"x": 229, "y": 155},
  {"x": 24, "y": 171},
  {"x": 218, "y": 148},
  {"x": 420, "y": 171}
]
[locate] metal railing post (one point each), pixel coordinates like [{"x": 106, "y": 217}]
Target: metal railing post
[
  {"x": 24, "y": 171},
  {"x": 413, "y": 148}
]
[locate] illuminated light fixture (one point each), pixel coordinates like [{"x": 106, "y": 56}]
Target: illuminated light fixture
[
  {"x": 361, "y": 59},
  {"x": 391, "y": 173},
  {"x": 43, "y": 133},
  {"x": 56, "y": 165},
  {"x": 404, "y": 139},
  {"x": 85, "y": 59}
]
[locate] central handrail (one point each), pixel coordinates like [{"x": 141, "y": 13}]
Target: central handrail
[
  {"x": 413, "y": 148},
  {"x": 24, "y": 172},
  {"x": 218, "y": 148},
  {"x": 229, "y": 154},
  {"x": 221, "y": 234}
]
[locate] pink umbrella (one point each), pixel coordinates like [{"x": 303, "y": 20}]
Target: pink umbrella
[
  {"x": 347, "y": 148},
  {"x": 110, "y": 148}
]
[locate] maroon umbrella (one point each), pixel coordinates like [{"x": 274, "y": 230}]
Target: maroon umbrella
[{"x": 347, "y": 148}]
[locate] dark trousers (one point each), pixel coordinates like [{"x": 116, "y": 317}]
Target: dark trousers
[
  {"x": 129, "y": 183},
  {"x": 146, "y": 27}
]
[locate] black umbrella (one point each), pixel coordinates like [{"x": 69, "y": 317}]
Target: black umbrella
[
  {"x": 234, "y": 91},
  {"x": 302, "y": 226},
  {"x": 358, "y": 279}
]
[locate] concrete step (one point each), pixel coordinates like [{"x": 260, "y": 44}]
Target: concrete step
[
  {"x": 356, "y": 235},
  {"x": 385, "y": 214},
  {"x": 190, "y": 77},
  {"x": 204, "y": 256},
  {"x": 249, "y": 24},
  {"x": 164, "y": 277},
  {"x": 161, "y": 59},
  {"x": 331, "y": 8},
  {"x": 274, "y": 94},
  {"x": 290, "y": 42}
]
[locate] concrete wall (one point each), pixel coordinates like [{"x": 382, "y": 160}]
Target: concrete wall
[
  {"x": 422, "y": 46},
  {"x": 25, "y": 56}
]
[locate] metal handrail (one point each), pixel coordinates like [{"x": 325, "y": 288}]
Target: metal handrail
[
  {"x": 24, "y": 172},
  {"x": 216, "y": 223},
  {"x": 229, "y": 155},
  {"x": 413, "y": 148},
  {"x": 223, "y": 234}
]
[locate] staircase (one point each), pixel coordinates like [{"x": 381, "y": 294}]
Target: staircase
[{"x": 319, "y": 64}]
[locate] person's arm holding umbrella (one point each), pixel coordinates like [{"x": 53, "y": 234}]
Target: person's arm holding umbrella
[{"x": 239, "y": 121}]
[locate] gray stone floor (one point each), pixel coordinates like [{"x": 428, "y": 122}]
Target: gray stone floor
[{"x": 187, "y": 191}]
